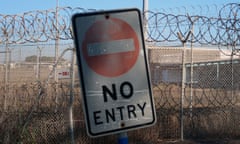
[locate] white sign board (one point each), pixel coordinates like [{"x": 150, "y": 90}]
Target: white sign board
[
  {"x": 63, "y": 73},
  {"x": 114, "y": 72}
]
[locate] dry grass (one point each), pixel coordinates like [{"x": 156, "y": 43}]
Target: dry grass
[{"x": 213, "y": 116}]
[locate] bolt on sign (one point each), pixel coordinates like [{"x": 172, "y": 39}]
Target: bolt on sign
[{"x": 113, "y": 69}]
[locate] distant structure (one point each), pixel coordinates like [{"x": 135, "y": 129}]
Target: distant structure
[{"x": 166, "y": 65}]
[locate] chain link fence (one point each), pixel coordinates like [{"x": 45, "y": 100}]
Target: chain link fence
[{"x": 194, "y": 64}]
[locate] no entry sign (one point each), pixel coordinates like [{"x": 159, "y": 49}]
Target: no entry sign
[
  {"x": 110, "y": 47},
  {"x": 113, "y": 70}
]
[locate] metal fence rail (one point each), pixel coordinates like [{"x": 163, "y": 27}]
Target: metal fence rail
[{"x": 194, "y": 63}]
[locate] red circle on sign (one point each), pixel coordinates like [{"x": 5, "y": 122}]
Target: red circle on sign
[{"x": 116, "y": 62}]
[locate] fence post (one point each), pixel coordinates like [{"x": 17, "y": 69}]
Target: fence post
[
  {"x": 72, "y": 74},
  {"x": 183, "y": 40},
  {"x": 7, "y": 69},
  {"x": 183, "y": 90},
  {"x": 56, "y": 57}
]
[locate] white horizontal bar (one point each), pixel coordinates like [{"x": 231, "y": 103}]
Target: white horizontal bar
[{"x": 110, "y": 47}]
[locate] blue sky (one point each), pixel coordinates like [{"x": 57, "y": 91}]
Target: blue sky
[{"x": 21, "y": 6}]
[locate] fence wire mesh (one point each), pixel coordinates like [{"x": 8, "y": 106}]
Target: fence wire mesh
[{"x": 194, "y": 65}]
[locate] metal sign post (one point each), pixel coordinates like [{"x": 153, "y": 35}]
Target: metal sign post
[
  {"x": 123, "y": 138},
  {"x": 114, "y": 73}
]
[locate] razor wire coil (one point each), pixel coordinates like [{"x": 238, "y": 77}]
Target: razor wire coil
[{"x": 42, "y": 26}]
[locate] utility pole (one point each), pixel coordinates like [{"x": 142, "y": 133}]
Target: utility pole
[{"x": 145, "y": 18}]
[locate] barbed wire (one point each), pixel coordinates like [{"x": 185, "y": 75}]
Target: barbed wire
[
  {"x": 230, "y": 27},
  {"x": 203, "y": 10},
  {"x": 42, "y": 26},
  {"x": 223, "y": 31}
]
